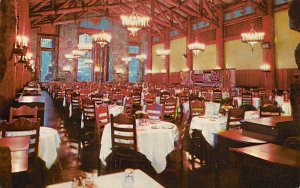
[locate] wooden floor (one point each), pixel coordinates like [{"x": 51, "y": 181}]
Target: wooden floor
[{"x": 72, "y": 167}]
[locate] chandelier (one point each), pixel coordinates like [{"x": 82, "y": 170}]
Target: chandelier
[
  {"x": 141, "y": 57},
  {"x": 162, "y": 53},
  {"x": 102, "y": 38},
  {"x": 86, "y": 47},
  {"x": 134, "y": 22},
  {"x": 253, "y": 37},
  {"x": 78, "y": 53},
  {"x": 196, "y": 47}
]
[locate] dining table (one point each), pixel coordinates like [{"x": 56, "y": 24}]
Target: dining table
[
  {"x": 155, "y": 139},
  {"x": 210, "y": 126},
  {"x": 117, "y": 180}
]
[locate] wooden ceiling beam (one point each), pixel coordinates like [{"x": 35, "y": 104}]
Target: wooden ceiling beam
[
  {"x": 162, "y": 12},
  {"x": 79, "y": 9},
  {"x": 210, "y": 13},
  {"x": 40, "y": 5}
]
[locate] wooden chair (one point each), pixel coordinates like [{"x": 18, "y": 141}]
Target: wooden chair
[
  {"x": 23, "y": 111},
  {"x": 5, "y": 168},
  {"x": 32, "y": 129},
  {"x": 128, "y": 106},
  {"x": 183, "y": 97},
  {"x": 87, "y": 132},
  {"x": 97, "y": 98},
  {"x": 269, "y": 111},
  {"x": 124, "y": 143},
  {"x": 117, "y": 99},
  {"x": 246, "y": 97},
  {"x": 196, "y": 108},
  {"x": 26, "y": 127},
  {"x": 154, "y": 111},
  {"x": 136, "y": 101},
  {"x": 76, "y": 106},
  {"x": 149, "y": 98},
  {"x": 170, "y": 106},
  {"x": 163, "y": 96},
  {"x": 217, "y": 95},
  {"x": 234, "y": 118},
  {"x": 175, "y": 162}
]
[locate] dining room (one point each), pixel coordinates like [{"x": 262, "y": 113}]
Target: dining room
[{"x": 149, "y": 93}]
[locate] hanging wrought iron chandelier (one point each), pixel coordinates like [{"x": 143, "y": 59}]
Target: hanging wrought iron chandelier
[
  {"x": 253, "y": 37},
  {"x": 102, "y": 38},
  {"x": 196, "y": 47}
]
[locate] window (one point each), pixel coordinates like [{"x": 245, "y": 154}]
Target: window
[
  {"x": 134, "y": 70},
  {"x": 47, "y": 43},
  {"x": 84, "y": 73},
  {"x": 133, "y": 50},
  {"x": 47, "y": 66},
  {"x": 47, "y": 55}
]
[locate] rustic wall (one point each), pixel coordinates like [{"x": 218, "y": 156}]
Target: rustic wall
[
  {"x": 9, "y": 83},
  {"x": 118, "y": 49},
  {"x": 68, "y": 40}
]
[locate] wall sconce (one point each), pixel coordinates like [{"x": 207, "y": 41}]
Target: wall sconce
[
  {"x": 163, "y": 71},
  {"x": 141, "y": 57},
  {"x": 163, "y": 53},
  {"x": 21, "y": 45},
  {"x": 126, "y": 59},
  {"x": 265, "y": 68}
]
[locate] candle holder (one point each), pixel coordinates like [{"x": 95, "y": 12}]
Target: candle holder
[{"x": 21, "y": 45}]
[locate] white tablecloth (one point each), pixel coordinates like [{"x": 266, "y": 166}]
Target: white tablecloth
[
  {"x": 251, "y": 115},
  {"x": 115, "y": 109},
  {"x": 155, "y": 144},
  {"x": 49, "y": 142},
  {"x": 209, "y": 125},
  {"x": 255, "y": 101},
  {"x": 286, "y": 108},
  {"x": 116, "y": 180}
]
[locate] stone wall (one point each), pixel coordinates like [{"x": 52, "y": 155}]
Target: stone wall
[
  {"x": 68, "y": 40},
  {"x": 118, "y": 70}
]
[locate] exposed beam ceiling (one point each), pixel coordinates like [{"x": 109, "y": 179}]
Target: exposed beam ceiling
[{"x": 167, "y": 14}]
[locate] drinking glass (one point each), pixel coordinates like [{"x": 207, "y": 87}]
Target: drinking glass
[{"x": 129, "y": 179}]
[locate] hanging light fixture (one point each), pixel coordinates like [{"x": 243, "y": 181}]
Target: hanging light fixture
[
  {"x": 141, "y": 57},
  {"x": 85, "y": 46},
  {"x": 162, "y": 53},
  {"x": 77, "y": 53},
  {"x": 196, "y": 47},
  {"x": 253, "y": 37},
  {"x": 126, "y": 59},
  {"x": 102, "y": 38},
  {"x": 134, "y": 22}
]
